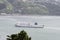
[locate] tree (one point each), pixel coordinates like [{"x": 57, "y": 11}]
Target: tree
[{"x": 20, "y": 36}]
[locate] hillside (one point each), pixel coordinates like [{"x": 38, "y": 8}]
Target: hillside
[
  {"x": 53, "y": 6},
  {"x": 5, "y": 6},
  {"x": 26, "y": 8},
  {"x": 38, "y": 7}
]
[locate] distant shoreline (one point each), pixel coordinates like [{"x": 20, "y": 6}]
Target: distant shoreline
[
  {"x": 30, "y": 16},
  {"x": 26, "y": 15},
  {"x": 16, "y": 14}
]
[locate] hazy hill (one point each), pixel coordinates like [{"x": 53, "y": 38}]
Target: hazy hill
[
  {"x": 5, "y": 6},
  {"x": 38, "y": 7},
  {"x": 53, "y": 6},
  {"x": 27, "y": 8}
]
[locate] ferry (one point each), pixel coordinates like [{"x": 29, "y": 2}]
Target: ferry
[{"x": 29, "y": 25}]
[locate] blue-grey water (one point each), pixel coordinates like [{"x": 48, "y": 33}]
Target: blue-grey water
[{"x": 51, "y": 30}]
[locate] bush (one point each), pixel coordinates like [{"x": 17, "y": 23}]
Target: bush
[{"x": 20, "y": 36}]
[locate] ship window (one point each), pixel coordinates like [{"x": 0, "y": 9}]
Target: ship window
[{"x": 36, "y": 23}]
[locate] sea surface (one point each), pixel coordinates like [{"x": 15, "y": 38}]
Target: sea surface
[{"x": 51, "y": 30}]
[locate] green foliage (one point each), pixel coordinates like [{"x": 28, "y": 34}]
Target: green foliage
[
  {"x": 9, "y": 6},
  {"x": 20, "y": 36},
  {"x": 1, "y": 1}
]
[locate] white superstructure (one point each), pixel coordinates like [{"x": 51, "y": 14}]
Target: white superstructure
[{"x": 29, "y": 24}]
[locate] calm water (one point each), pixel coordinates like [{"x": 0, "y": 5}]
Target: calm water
[{"x": 51, "y": 31}]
